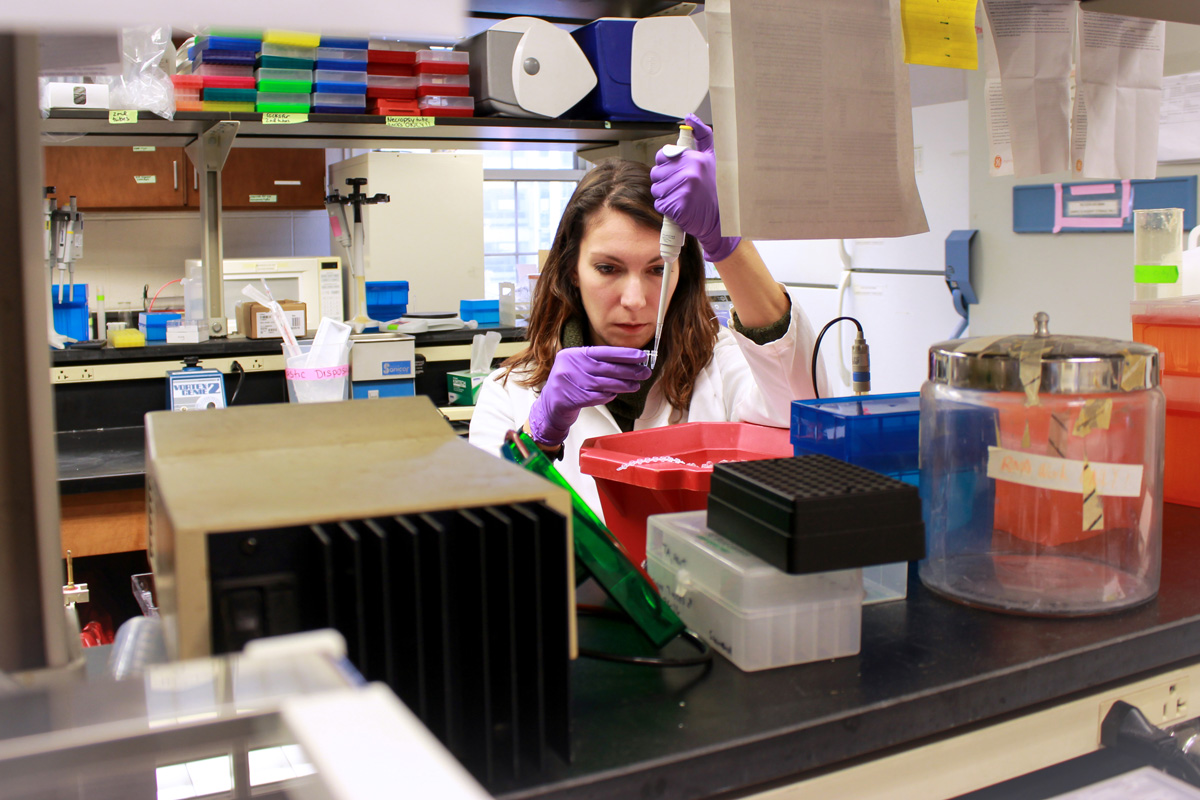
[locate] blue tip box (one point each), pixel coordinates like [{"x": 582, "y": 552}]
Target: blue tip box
[
  {"x": 154, "y": 324},
  {"x": 485, "y": 312}
]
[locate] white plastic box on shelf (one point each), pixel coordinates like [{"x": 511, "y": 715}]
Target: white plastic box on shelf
[{"x": 747, "y": 610}]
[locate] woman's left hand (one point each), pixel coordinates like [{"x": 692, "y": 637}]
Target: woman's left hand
[{"x": 685, "y": 189}]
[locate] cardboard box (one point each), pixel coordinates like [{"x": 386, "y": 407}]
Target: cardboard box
[
  {"x": 463, "y": 387},
  {"x": 254, "y": 320}
]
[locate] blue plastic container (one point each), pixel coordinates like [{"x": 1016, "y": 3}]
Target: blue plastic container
[
  {"x": 387, "y": 300},
  {"x": 485, "y": 312},
  {"x": 879, "y": 432},
  {"x": 154, "y": 324},
  {"x": 228, "y": 43},
  {"x": 71, "y": 311},
  {"x": 608, "y": 45},
  {"x": 345, "y": 43},
  {"x": 235, "y": 57}
]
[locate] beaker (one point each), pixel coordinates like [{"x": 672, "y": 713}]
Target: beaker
[{"x": 1157, "y": 252}]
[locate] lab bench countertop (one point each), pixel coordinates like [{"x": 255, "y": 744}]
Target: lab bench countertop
[
  {"x": 241, "y": 346},
  {"x": 928, "y": 667}
]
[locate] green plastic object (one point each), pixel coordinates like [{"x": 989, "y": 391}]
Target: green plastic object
[
  {"x": 600, "y": 552},
  {"x": 285, "y": 86},
  {"x": 283, "y": 62},
  {"x": 283, "y": 108}
]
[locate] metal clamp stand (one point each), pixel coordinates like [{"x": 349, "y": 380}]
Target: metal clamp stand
[{"x": 208, "y": 154}]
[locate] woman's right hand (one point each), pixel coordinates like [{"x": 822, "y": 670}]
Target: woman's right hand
[{"x": 581, "y": 377}]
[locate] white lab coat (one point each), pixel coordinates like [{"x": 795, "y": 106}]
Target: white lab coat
[{"x": 744, "y": 382}]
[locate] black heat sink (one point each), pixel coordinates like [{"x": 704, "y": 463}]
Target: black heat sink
[{"x": 463, "y": 613}]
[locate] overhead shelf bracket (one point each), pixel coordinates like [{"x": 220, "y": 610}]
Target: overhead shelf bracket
[{"x": 208, "y": 153}]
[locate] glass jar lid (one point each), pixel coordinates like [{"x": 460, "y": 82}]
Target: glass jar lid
[{"x": 1044, "y": 363}]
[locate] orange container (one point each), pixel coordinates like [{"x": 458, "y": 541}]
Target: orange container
[
  {"x": 633, "y": 487},
  {"x": 1173, "y": 326}
]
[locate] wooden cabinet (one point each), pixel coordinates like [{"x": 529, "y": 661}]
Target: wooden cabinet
[
  {"x": 127, "y": 178},
  {"x": 260, "y": 179},
  {"x": 117, "y": 177}
]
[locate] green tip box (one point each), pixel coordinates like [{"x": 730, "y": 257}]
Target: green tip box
[{"x": 463, "y": 387}]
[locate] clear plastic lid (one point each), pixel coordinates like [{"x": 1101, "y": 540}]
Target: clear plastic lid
[
  {"x": 341, "y": 54},
  {"x": 338, "y": 76},
  {"x": 442, "y": 57},
  {"x": 446, "y": 80},
  {"x": 438, "y": 101},
  {"x": 1171, "y": 310},
  {"x": 288, "y": 51},
  {"x": 743, "y": 580},
  {"x": 329, "y": 99},
  {"x": 270, "y": 74},
  {"x": 391, "y": 82}
]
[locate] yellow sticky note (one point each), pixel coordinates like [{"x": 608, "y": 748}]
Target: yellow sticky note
[
  {"x": 120, "y": 116},
  {"x": 940, "y": 33},
  {"x": 278, "y": 118},
  {"x": 408, "y": 122}
]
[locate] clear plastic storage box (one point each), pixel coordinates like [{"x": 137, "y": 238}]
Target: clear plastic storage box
[{"x": 753, "y": 614}]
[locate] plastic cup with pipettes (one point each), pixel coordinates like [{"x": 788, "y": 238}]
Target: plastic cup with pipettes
[
  {"x": 1157, "y": 252},
  {"x": 319, "y": 384}
]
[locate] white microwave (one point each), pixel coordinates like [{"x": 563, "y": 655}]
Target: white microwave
[{"x": 315, "y": 281}]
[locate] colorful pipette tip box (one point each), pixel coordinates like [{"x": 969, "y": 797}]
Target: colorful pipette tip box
[
  {"x": 284, "y": 80},
  {"x": 335, "y": 103},
  {"x": 444, "y": 85},
  {"x": 444, "y": 62},
  {"x": 447, "y": 106},
  {"x": 294, "y": 38}
]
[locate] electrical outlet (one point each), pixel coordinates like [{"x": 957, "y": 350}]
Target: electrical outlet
[
  {"x": 71, "y": 374},
  {"x": 254, "y": 363},
  {"x": 1162, "y": 704}
]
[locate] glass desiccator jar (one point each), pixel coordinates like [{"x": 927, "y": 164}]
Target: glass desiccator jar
[{"x": 1041, "y": 472}]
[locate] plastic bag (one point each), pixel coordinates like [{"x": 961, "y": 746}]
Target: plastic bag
[{"x": 145, "y": 84}]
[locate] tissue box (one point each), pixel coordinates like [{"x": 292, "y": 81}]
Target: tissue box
[
  {"x": 463, "y": 387},
  {"x": 254, "y": 320}
]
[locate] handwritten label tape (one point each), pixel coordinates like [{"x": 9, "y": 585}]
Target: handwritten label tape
[
  {"x": 319, "y": 374},
  {"x": 122, "y": 116},
  {"x": 1063, "y": 474},
  {"x": 409, "y": 122},
  {"x": 276, "y": 118}
]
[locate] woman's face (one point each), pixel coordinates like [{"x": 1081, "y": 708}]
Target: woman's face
[{"x": 619, "y": 275}]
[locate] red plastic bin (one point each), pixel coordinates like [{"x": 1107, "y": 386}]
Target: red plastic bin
[{"x": 630, "y": 492}]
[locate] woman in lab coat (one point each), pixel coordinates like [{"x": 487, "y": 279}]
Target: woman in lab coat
[{"x": 593, "y": 315}]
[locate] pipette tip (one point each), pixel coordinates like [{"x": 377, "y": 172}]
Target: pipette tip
[{"x": 651, "y": 358}]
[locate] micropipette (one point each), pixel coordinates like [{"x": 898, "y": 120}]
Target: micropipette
[{"x": 670, "y": 243}]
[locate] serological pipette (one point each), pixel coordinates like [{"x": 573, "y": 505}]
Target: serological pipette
[{"x": 670, "y": 243}]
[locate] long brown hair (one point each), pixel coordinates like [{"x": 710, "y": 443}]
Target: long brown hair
[{"x": 690, "y": 329}]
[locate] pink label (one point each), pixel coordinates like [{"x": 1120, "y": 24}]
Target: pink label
[
  {"x": 321, "y": 374},
  {"x": 1094, "y": 188}
]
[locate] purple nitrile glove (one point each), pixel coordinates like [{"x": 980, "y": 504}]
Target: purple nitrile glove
[
  {"x": 685, "y": 189},
  {"x": 581, "y": 377}
]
